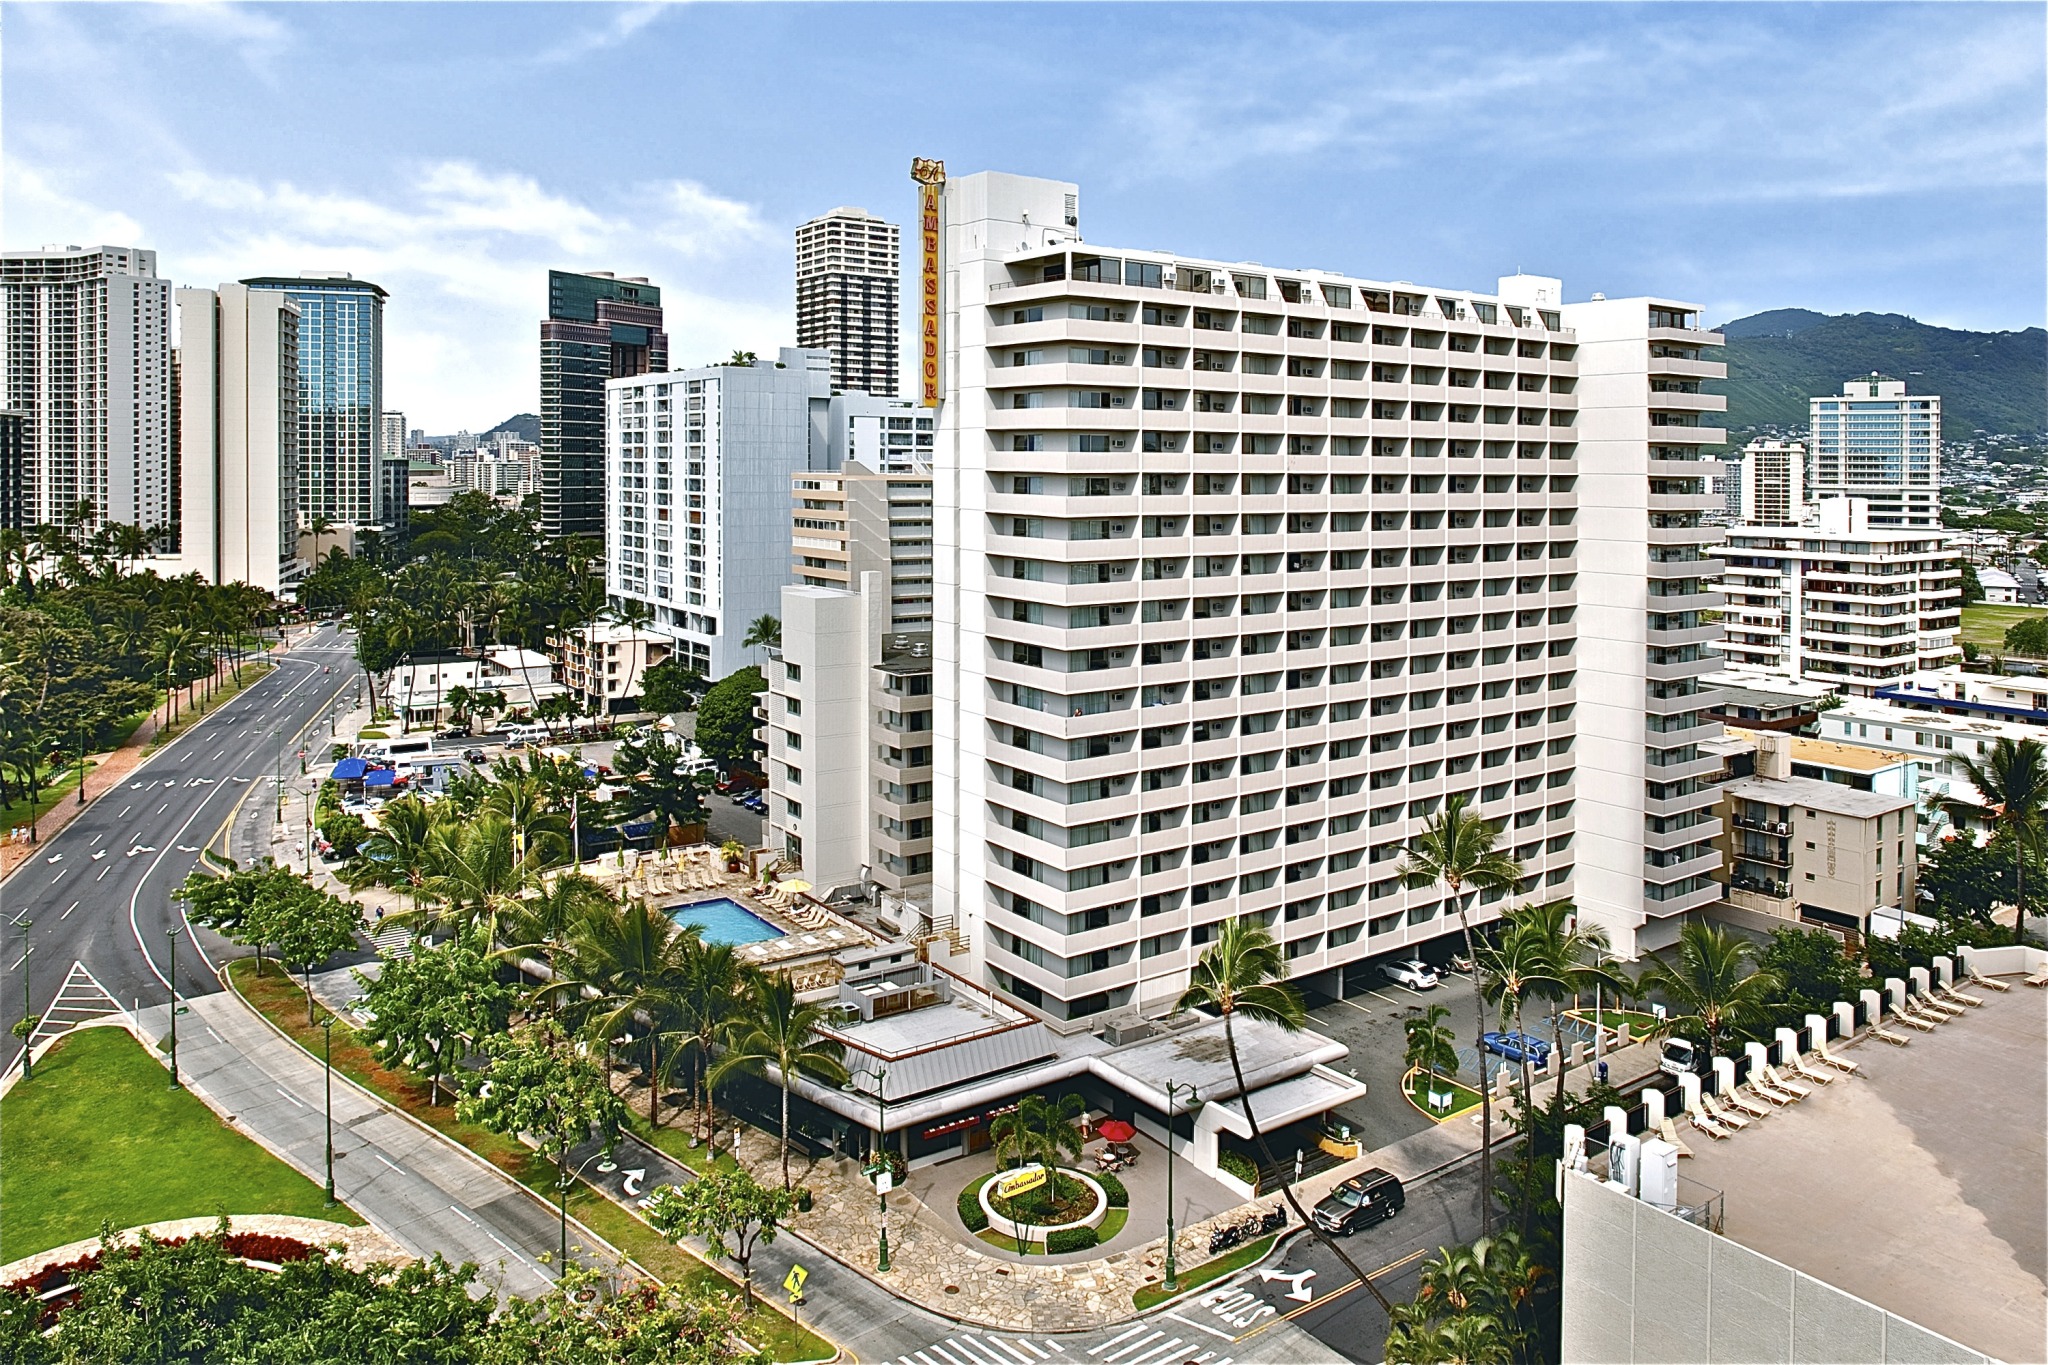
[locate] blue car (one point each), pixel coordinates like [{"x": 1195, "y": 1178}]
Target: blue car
[{"x": 1517, "y": 1047}]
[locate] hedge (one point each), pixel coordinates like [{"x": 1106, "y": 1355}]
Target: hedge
[
  {"x": 1069, "y": 1239},
  {"x": 969, "y": 1204},
  {"x": 1119, "y": 1197},
  {"x": 1239, "y": 1165}
]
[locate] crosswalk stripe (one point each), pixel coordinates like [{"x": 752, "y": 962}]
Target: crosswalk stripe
[
  {"x": 976, "y": 1351},
  {"x": 946, "y": 1355},
  {"x": 1126, "y": 1350},
  {"x": 1011, "y": 1347},
  {"x": 1131, "y": 1332},
  {"x": 1157, "y": 1351}
]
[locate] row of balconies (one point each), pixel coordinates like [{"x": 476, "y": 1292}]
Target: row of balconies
[{"x": 1003, "y": 332}]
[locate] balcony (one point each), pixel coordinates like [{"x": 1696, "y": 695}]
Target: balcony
[{"x": 1777, "y": 827}]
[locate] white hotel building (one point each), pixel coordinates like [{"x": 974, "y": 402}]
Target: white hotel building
[{"x": 1241, "y": 573}]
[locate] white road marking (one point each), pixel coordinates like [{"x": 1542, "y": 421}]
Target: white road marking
[
  {"x": 1200, "y": 1327},
  {"x": 125, "y": 809},
  {"x": 1126, "y": 1350},
  {"x": 164, "y": 807},
  {"x": 103, "y": 873},
  {"x": 289, "y": 1095},
  {"x": 1156, "y": 1351},
  {"x": 465, "y": 1217},
  {"x": 59, "y": 877},
  {"x": 946, "y": 1355},
  {"x": 54, "y": 858},
  {"x": 389, "y": 1162},
  {"x": 1115, "y": 1339},
  {"x": 68, "y": 909},
  {"x": 96, "y": 838}
]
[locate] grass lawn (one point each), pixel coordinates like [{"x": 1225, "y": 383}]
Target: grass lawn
[
  {"x": 1984, "y": 626},
  {"x": 63, "y": 783},
  {"x": 284, "y": 1004},
  {"x": 1152, "y": 1294},
  {"x": 1112, "y": 1223},
  {"x": 1416, "y": 1086},
  {"x": 99, "y": 1134},
  {"x": 676, "y": 1141}
]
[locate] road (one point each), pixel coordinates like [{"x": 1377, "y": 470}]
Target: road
[
  {"x": 1309, "y": 1289},
  {"x": 98, "y": 892}
]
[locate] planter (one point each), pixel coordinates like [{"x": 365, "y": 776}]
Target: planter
[{"x": 1039, "y": 1231}]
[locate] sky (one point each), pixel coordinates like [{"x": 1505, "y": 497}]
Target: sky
[{"x": 1840, "y": 157}]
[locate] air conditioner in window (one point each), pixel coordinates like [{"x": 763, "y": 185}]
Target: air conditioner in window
[
  {"x": 1118, "y": 444},
  {"x": 1119, "y": 528},
  {"x": 1119, "y": 360}
]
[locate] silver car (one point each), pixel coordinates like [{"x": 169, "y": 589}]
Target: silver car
[{"x": 1411, "y": 972}]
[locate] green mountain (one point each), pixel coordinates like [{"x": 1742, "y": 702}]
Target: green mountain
[
  {"x": 525, "y": 425},
  {"x": 1994, "y": 381}
]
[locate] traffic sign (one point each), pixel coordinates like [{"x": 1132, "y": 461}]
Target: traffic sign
[{"x": 794, "y": 1280}]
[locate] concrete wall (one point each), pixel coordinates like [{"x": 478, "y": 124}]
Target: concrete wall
[{"x": 1642, "y": 1285}]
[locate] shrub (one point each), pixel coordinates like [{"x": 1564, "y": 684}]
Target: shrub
[
  {"x": 969, "y": 1204},
  {"x": 1069, "y": 1239},
  {"x": 1119, "y": 1197},
  {"x": 1239, "y": 1165}
]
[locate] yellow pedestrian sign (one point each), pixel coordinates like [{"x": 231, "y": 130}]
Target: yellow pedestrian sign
[{"x": 794, "y": 1281}]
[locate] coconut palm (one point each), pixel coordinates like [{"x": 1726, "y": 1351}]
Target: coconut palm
[
  {"x": 1714, "y": 983},
  {"x": 623, "y": 973},
  {"x": 1511, "y": 973},
  {"x": 1493, "y": 1282},
  {"x": 479, "y": 873},
  {"x": 763, "y": 632},
  {"x": 1461, "y": 852},
  {"x": 545, "y": 923},
  {"x": 1245, "y": 973},
  {"x": 1039, "y": 1131},
  {"x": 708, "y": 998},
  {"x": 1574, "y": 956},
  {"x": 400, "y": 852},
  {"x": 2012, "y": 782},
  {"x": 1432, "y": 1045},
  {"x": 775, "y": 1030}
]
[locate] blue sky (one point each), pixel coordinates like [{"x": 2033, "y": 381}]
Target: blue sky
[{"x": 1840, "y": 157}]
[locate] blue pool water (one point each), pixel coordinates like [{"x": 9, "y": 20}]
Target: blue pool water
[{"x": 724, "y": 921}]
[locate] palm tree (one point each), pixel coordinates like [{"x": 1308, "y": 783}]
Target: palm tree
[
  {"x": 1714, "y": 983},
  {"x": 763, "y": 631},
  {"x": 2012, "y": 783},
  {"x": 777, "y": 1030},
  {"x": 545, "y": 923},
  {"x": 708, "y": 996},
  {"x": 623, "y": 973},
  {"x": 1461, "y": 851},
  {"x": 1039, "y": 1131},
  {"x": 1492, "y": 1282},
  {"x": 1432, "y": 1045},
  {"x": 1574, "y": 957},
  {"x": 479, "y": 873},
  {"x": 400, "y": 852},
  {"x": 1244, "y": 973},
  {"x": 1510, "y": 974}
]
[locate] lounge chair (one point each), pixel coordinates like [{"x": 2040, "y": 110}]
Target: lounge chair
[
  {"x": 1806, "y": 1070},
  {"x": 1935, "y": 1005},
  {"x": 1955, "y": 997},
  {"x": 1669, "y": 1132},
  {"x": 1883, "y": 1034},
  {"x": 1760, "y": 1087},
  {"x": 1908, "y": 1017},
  {"x": 2039, "y": 978},
  {"x": 1739, "y": 1106},
  {"x": 1712, "y": 1129},
  {"x": 1798, "y": 1090},
  {"x": 1847, "y": 1066},
  {"x": 1920, "y": 1007},
  {"x": 1988, "y": 982}
]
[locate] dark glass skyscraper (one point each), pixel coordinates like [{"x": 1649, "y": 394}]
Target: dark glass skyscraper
[
  {"x": 598, "y": 327},
  {"x": 341, "y": 396}
]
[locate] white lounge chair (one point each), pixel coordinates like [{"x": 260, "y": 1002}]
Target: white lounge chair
[
  {"x": 2039, "y": 978},
  {"x": 1921, "y": 1022},
  {"x": 1846, "y": 1065},
  {"x": 1935, "y": 1005},
  {"x": 1770, "y": 1094},
  {"x": 1883, "y": 1034},
  {"x": 1803, "y": 1068},
  {"x": 1955, "y": 997},
  {"x": 1734, "y": 1110},
  {"x": 1989, "y": 982},
  {"x": 1706, "y": 1125},
  {"x": 1797, "y": 1090},
  {"x": 1669, "y": 1132}
]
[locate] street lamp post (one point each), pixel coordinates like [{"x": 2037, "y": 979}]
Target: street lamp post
[
  {"x": 881, "y": 1171},
  {"x": 172, "y": 934},
  {"x": 1171, "y": 1283},
  {"x": 81, "y": 765},
  {"x": 327, "y": 1064}
]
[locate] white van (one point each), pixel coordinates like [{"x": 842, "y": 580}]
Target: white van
[{"x": 519, "y": 736}]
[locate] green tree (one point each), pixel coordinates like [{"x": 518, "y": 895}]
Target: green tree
[
  {"x": 236, "y": 906},
  {"x": 668, "y": 687},
  {"x": 534, "y": 1081},
  {"x": 1973, "y": 591},
  {"x": 1712, "y": 984},
  {"x": 623, "y": 974},
  {"x": 1494, "y": 1281},
  {"x": 1462, "y": 853},
  {"x": 1962, "y": 878},
  {"x": 1244, "y": 973},
  {"x": 1432, "y": 1045},
  {"x": 779, "y": 1031},
  {"x": 1039, "y": 1131},
  {"x": 1572, "y": 958},
  {"x": 399, "y": 853},
  {"x": 727, "y": 1208},
  {"x": 657, "y": 782},
  {"x": 2012, "y": 784},
  {"x": 1813, "y": 971},
  {"x": 309, "y": 926},
  {"x": 2028, "y": 638},
  {"x": 428, "y": 1003},
  {"x": 541, "y": 926},
  {"x": 713, "y": 982},
  {"x": 578, "y": 1323},
  {"x": 763, "y": 632},
  {"x": 725, "y": 720}
]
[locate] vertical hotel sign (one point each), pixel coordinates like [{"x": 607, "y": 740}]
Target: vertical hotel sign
[{"x": 931, "y": 178}]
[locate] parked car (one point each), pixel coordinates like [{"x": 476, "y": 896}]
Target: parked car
[
  {"x": 1411, "y": 972},
  {"x": 356, "y": 806},
  {"x": 1365, "y": 1199},
  {"x": 473, "y": 756},
  {"x": 1517, "y": 1046},
  {"x": 454, "y": 732}
]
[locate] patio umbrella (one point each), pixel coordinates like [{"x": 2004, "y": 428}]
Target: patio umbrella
[{"x": 1115, "y": 1130}]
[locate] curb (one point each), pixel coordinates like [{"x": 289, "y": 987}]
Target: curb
[{"x": 436, "y": 1134}]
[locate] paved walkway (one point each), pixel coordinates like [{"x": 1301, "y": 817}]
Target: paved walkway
[{"x": 421, "y": 1190}]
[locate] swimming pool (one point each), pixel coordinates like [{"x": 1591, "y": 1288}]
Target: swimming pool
[{"x": 725, "y": 921}]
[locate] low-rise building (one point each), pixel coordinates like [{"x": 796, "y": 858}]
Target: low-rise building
[
  {"x": 1816, "y": 848},
  {"x": 604, "y": 665},
  {"x": 2000, "y": 587},
  {"x": 419, "y": 689}
]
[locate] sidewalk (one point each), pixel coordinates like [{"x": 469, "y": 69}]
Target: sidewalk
[{"x": 422, "y": 1191}]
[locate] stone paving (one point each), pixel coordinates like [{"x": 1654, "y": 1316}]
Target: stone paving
[{"x": 362, "y": 1246}]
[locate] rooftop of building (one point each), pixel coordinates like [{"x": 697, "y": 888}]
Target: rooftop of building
[
  {"x": 1917, "y": 1184},
  {"x": 1873, "y": 711},
  {"x": 1829, "y": 753},
  {"x": 1768, "y": 682},
  {"x": 1814, "y": 794},
  {"x": 1728, "y": 697}
]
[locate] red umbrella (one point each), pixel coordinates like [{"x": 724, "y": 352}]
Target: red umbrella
[{"x": 1115, "y": 1130}]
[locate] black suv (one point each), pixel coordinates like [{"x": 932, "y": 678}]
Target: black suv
[{"x": 1359, "y": 1202}]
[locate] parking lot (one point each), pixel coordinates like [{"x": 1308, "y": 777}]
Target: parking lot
[{"x": 1368, "y": 1021}]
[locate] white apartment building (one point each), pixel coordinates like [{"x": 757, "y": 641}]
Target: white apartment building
[
  {"x": 1874, "y": 441},
  {"x": 1934, "y": 740},
  {"x": 853, "y": 521},
  {"x": 391, "y": 435},
  {"x": 238, "y": 437},
  {"x": 88, "y": 364},
  {"x": 603, "y": 666},
  {"x": 1646, "y": 813},
  {"x": 697, "y": 482},
  {"x": 1241, "y": 573},
  {"x": 1773, "y": 483},
  {"x": 848, "y": 267},
  {"x": 1841, "y": 600},
  {"x": 891, "y": 435}
]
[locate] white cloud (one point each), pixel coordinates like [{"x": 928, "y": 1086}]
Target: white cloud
[
  {"x": 464, "y": 250},
  {"x": 624, "y": 23},
  {"x": 40, "y": 211}
]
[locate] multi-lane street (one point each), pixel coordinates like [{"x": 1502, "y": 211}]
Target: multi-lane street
[{"x": 97, "y": 894}]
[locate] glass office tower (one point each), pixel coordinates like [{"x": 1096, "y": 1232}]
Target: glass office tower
[
  {"x": 599, "y": 327},
  {"x": 341, "y": 395}
]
